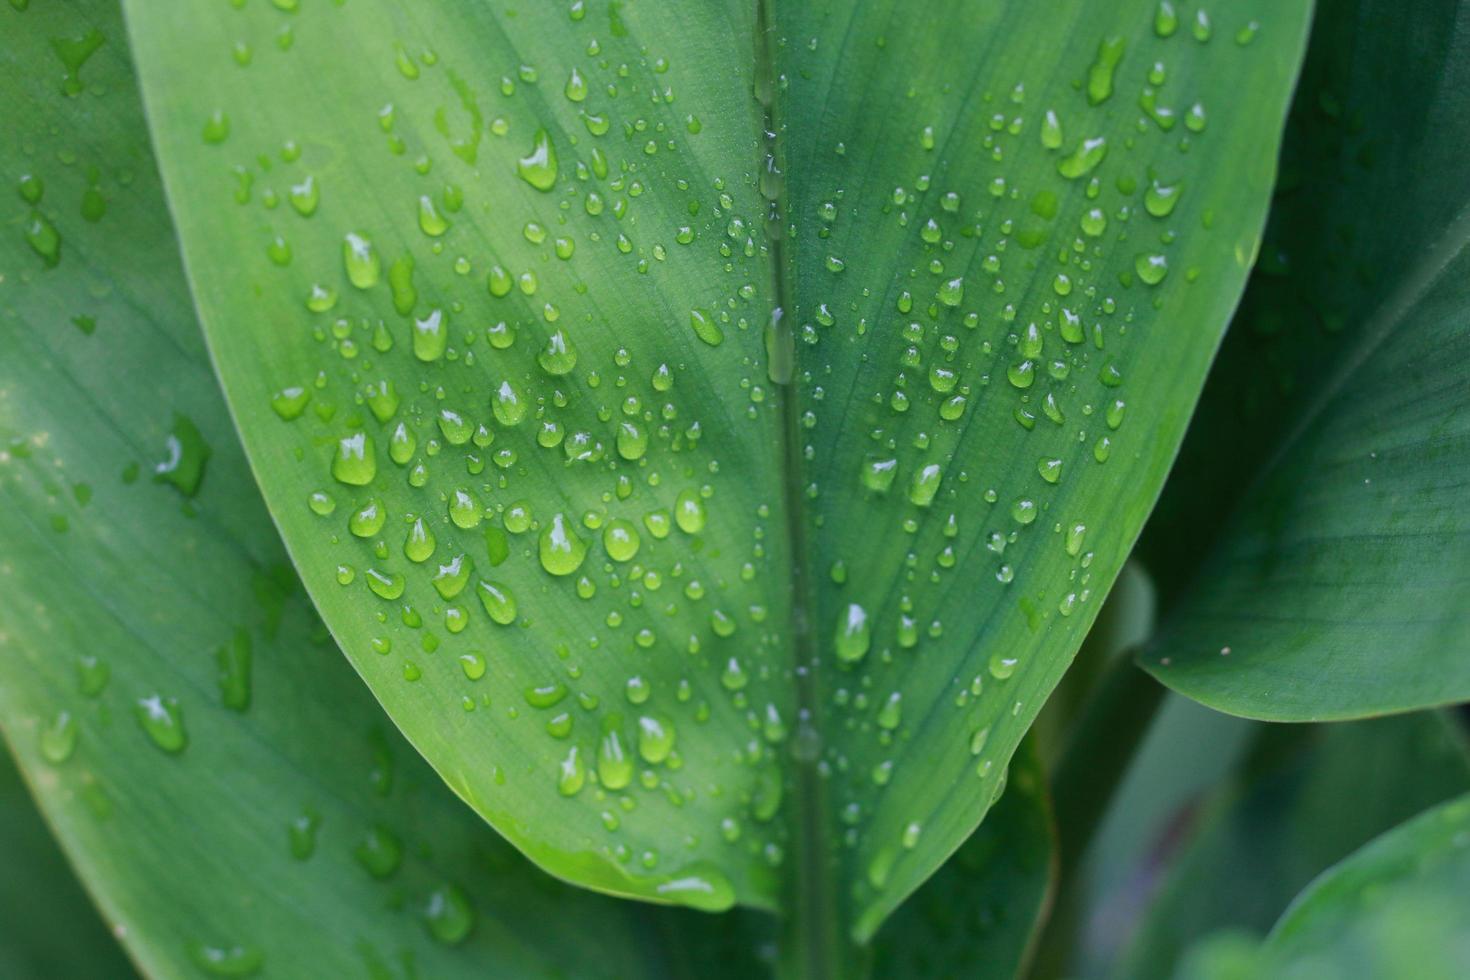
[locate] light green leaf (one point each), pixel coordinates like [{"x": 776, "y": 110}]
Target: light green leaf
[
  {"x": 48, "y": 927},
  {"x": 687, "y": 462},
  {"x": 1395, "y": 908},
  {"x": 1306, "y": 798},
  {"x": 1333, "y": 441},
  {"x": 228, "y": 790}
]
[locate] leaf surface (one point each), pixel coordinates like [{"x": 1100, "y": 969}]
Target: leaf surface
[
  {"x": 1304, "y": 800},
  {"x": 1328, "y": 461},
  {"x": 227, "y": 789},
  {"x": 712, "y": 487},
  {"x": 1393, "y": 908}
]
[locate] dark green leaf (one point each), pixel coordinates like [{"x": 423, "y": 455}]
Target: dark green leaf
[
  {"x": 48, "y": 927},
  {"x": 1330, "y": 454},
  {"x": 1395, "y": 908},
  {"x": 1307, "y": 799},
  {"x": 762, "y": 632}
]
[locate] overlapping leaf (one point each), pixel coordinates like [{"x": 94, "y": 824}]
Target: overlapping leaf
[
  {"x": 1306, "y": 799},
  {"x": 230, "y": 794},
  {"x": 1329, "y": 457}
]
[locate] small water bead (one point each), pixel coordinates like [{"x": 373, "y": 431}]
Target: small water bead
[
  {"x": 473, "y": 665},
  {"x": 227, "y": 961},
  {"x": 431, "y": 222},
  {"x": 418, "y": 545},
  {"x": 454, "y": 427},
  {"x": 448, "y": 915},
  {"x": 1151, "y": 267},
  {"x": 1002, "y": 667},
  {"x": 354, "y": 462},
  {"x": 290, "y": 403},
  {"x": 304, "y": 197},
  {"x": 1084, "y": 158},
  {"x": 924, "y": 484},
  {"x": 689, "y": 512},
  {"x": 878, "y": 473},
  {"x": 620, "y": 539},
  {"x": 384, "y": 585},
  {"x": 1050, "y": 469},
  {"x": 1100, "y": 74},
  {"x": 498, "y": 600},
  {"x": 561, "y": 550},
  {"x": 1051, "y": 131},
  {"x": 705, "y": 328},
  {"x": 451, "y": 578},
  {"x": 361, "y": 261},
  {"x": 1023, "y": 511},
  {"x": 1159, "y": 199},
  {"x": 58, "y": 738},
  {"x": 952, "y": 292},
  {"x": 891, "y": 714},
  {"x": 93, "y": 673},
  {"x": 559, "y": 355},
  {"x": 614, "y": 762},
  {"x": 853, "y": 635},
  {"x": 379, "y": 852},
  {"x": 632, "y": 441},
  {"x": 571, "y": 774},
  {"x": 538, "y": 168},
  {"x": 1194, "y": 119},
  {"x": 1166, "y": 19},
  {"x": 430, "y": 336},
  {"x": 464, "y": 510},
  {"x": 216, "y": 128},
  {"x": 301, "y": 834},
  {"x": 163, "y": 721}
]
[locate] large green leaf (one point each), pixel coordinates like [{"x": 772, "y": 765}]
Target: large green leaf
[
  {"x": 48, "y": 927},
  {"x": 229, "y": 792},
  {"x": 651, "y": 449},
  {"x": 1307, "y": 799},
  {"x": 1333, "y": 441},
  {"x": 1395, "y": 908}
]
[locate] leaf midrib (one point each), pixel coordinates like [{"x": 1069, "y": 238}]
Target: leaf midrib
[{"x": 813, "y": 938}]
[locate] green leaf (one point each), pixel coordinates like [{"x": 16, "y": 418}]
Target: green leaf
[
  {"x": 1394, "y": 908},
  {"x": 227, "y": 789},
  {"x": 982, "y": 911},
  {"x": 1307, "y": 798},
  {"x": 1327, "y": 459},
  {"x": 533, "y": 294},
  {"x": 48, "y": 927}
]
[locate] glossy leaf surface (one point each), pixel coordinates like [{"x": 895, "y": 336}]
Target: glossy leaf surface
[
  {"x": 229, "y": 792},
  {"x": 712, "y": 487},
  {"x": 1329, "y": 457}
]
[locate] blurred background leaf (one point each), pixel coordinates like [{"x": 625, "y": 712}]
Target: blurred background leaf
[
  {"x": 1394, "y": 908},
  {"x": 48, "y": 926}
]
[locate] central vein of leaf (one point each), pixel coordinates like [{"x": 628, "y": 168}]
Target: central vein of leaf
[{"x": 813, "y": 944}]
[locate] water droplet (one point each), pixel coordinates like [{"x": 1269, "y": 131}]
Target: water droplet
[
  {"x": 854, "y": 635},
  {"x": 499, "y": 602},
  {"x": 448, "y": 915},
  {"x": 361, "y": 261},
  {"x": 163, "y": 722},
  {"x": 58, "y": 738},
  {"x": 538, "y": 168},
  {"x": 354, "y": 463}
]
